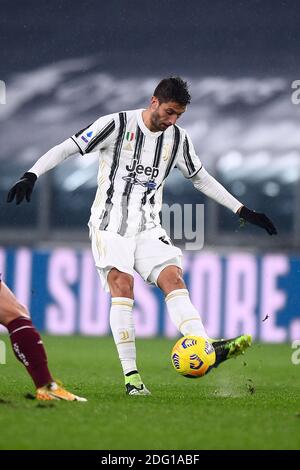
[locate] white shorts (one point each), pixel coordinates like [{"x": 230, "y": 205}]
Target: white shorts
[{"x": 148, "y": 253}]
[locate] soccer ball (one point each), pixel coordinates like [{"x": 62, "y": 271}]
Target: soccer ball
[{"x": 193, "y": 356}]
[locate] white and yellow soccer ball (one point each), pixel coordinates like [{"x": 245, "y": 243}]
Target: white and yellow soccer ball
[{"x": 193, "y": 356}]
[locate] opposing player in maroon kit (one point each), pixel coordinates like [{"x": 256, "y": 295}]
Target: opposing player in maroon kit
[{"x": 28, "y": 347}]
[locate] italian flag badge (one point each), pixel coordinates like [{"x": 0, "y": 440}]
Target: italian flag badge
[{"x": 129, "y": 136}]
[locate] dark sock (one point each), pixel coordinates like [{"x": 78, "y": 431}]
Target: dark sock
[{"x": 28, "y": 348}]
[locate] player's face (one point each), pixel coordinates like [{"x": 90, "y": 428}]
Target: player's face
[{"x": 164, "y": 115}]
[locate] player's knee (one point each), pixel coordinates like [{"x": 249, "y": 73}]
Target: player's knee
[
  {"x": 19, "y": 311},
  {"x": 176, "y": 282},
  {"x": 121, "y": 284},
  {"x": 22, "y": 311},
  {"x": 16, "y": 311},
  {"x": 170, "y": 279},
  {"x": 122, "y": 288}
]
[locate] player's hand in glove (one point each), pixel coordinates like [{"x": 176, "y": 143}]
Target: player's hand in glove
[
  {"x": 23, "y": 188},
  {"x": 257, "y": 218}
]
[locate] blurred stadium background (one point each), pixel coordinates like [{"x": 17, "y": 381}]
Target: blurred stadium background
[{"x": 65, "y": 64}]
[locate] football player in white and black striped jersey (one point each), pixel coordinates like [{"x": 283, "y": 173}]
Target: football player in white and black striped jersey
[{"x": 137, "y": 151}]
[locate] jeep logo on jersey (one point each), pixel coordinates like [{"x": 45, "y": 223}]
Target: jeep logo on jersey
[{"x": 140, "y": 169}]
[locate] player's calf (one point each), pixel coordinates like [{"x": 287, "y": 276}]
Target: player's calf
[{"x": 29, "y": 350}]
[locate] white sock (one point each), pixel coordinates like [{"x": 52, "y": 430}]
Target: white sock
[
  {"x": 183, "y": 314},
  {"x": 122, "y": 327}
]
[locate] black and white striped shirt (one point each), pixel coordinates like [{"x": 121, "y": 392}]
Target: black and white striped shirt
[{"x": 134, "y": 163}]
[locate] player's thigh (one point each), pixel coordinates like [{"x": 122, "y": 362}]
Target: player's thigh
[
  {"x": 112, "y": 252},
  {"x": 10, "y": 307},
  {"x": 111, "y": 249}
]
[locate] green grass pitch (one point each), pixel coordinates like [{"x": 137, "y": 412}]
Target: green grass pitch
[{"x": 247, "y": 403}]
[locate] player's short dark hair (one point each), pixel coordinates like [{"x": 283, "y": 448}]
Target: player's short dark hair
[{"x": 173, "y": 89}]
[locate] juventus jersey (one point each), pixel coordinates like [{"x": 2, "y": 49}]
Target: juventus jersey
[{"x": 134, "y": 163}]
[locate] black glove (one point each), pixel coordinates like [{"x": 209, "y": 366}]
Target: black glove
[
  {"x": 23, "y": 188},
  {"x": 257, "y": 218}
]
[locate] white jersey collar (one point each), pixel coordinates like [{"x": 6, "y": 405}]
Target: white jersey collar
[{"x": 143, "y": 127}]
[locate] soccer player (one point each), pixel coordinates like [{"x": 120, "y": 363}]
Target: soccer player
[
  {"x": 28, "y": 347},
  {"x": 137, "y": 151}
]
